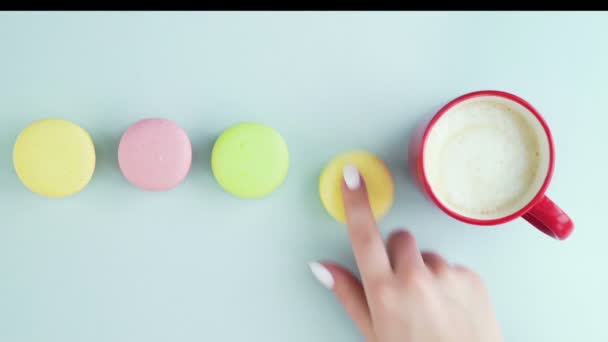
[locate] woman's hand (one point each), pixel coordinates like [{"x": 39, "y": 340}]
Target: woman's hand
[{"x": 404, "y": 295}]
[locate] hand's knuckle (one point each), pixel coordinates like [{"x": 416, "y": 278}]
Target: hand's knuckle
[
  {"x": 416, "y": 281},
  {"x": 442, "y": 270},
  {"x": 443, "y": 273},
  {"x": 387, "y": 297},
  {"x": 475, "y": 279},
  {"x": 468, "y": 274}
]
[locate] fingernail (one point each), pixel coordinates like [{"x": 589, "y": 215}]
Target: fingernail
[
  {"x": 322, "y": 274},
  {"x": 351, "y": 177}
]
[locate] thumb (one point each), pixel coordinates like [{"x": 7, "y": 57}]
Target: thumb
[{"x": 349, "y": 291}]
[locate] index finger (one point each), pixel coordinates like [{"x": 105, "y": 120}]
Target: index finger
[{"x": 368, "y": 246}]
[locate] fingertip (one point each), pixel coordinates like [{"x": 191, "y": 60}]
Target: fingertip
[
  {"x": 350, "y": 293},
  {"x": 341, "y": 276},
  {"x": 435, "y": 262},
  {"x": 354, "y": 194},
  {"x": 323, "y": 275},
  {"x": 353, "y": 185},
  {"x": 351, "y": 177},
  {"x": 403, "y": 252},
  {"x": 337, "y": 271},
  {"x": 401, "y": 233},
  {"x": 403, "y": 238}
]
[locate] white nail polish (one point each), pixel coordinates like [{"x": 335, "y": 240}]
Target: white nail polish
[
  {"x": 351, "y": 177},
  {"x": 322, "y": 274}
]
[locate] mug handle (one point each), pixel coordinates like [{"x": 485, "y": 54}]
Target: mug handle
[{"x": 550, "y": 219}]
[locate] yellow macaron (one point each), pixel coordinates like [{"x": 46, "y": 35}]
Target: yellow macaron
[
  {"x": 54, "y": 157},
  {"x": 375, "y": 173}
]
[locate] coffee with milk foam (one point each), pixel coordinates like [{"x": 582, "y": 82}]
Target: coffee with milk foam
[{"x": 486, "y": 158}]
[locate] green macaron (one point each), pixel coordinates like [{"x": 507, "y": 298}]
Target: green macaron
[{"x": 250, "y": 160}]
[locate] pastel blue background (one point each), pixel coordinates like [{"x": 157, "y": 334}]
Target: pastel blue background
[{"x": 194, "y": 264}]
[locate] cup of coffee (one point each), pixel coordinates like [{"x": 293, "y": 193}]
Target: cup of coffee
[{"x": 487, "y": 158}]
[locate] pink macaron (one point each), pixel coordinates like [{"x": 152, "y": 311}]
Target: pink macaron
[{"x": 155, "y": 154}]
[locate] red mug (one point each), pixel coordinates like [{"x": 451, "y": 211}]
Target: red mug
[{"x": 532, "y": 204}]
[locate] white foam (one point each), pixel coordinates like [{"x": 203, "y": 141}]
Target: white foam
[{"x": 486, "y": 157}]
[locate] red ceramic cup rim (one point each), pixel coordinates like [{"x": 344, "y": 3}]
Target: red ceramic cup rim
[{"x": 541, "y": 192}]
